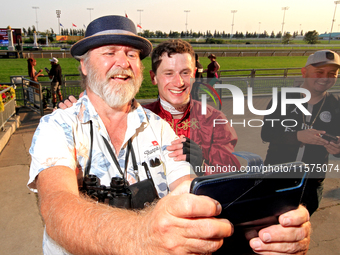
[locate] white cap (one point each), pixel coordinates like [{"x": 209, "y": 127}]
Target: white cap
[
  {"x": 323, "y": 57},
  {"x": 54, "y": 60}
]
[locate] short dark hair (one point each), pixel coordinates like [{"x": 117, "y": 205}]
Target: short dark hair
[{"x": 170, "y": 47}]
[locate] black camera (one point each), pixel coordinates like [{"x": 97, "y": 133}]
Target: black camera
[
  {"x": 117, "y": 194},
  {"x": 120, "y": 194}
]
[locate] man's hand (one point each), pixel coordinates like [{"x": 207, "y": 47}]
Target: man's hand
[
  {"x": 311, "y": 136},
  {"x": 69, "y": 101},
  {"x": 183, "y": 223},
  {"x": 186, "y": 150},
  {"x": 333, "y": 147},
  {"x": 291, "y": 236}
]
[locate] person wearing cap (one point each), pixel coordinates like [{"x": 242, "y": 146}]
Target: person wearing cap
[
  {"x": 213, "y": 67},
  {"x": 302, "y": 140},
  {"x": 56, "y": 76}
]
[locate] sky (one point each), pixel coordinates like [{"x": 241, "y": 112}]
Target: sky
[{"x": 251, "y": 16}]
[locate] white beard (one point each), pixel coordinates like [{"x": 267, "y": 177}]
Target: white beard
[{"x": 113, "y": 93}]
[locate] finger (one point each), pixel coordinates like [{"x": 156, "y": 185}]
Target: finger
[
  {"x": 81, "y": 94},
  {"x": 294, "y": 217},
  {"x": 68, "y": 103},
  {"x": 178, "y": 141},
  {"x": 259, "y": 247},
  {"x": 181, "y": 158},
  {"x": 72, "y": 99},
  {"x": 189, "y": 205},
  {"x": 320, "y": 141},
  {"x": 278, "y": 233},
  {"x": 174, "y": 147},
  {"x": 62, "y": 106},
  {"x": 333, "y": 146},
  {"x": 176, "y": 153},
  {"x": 213, "y": 228},
  {"x": 331, "y": 149}
]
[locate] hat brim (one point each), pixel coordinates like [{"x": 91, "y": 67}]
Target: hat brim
[
  {"x": 91, "y": 42},
  {"x": 325, "y": 63}
]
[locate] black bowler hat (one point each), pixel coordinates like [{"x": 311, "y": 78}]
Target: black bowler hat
[{"x": 111, "y": 30}]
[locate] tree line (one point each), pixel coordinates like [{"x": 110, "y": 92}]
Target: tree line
[
  {"x": 63, "y": 31},
  {"x": 209, "y": 34},
  {"x": 310, "y": 37}
]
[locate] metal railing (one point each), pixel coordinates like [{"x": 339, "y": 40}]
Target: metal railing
[
  {"x": 252, "y": 73},
  {"x": 32, "y": 95},
  {"x": 47, "y": 54},
  {"x": 70, "y": 86}
]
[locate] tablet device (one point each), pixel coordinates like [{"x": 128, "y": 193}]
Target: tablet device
[{"x": 254, "y": 200}]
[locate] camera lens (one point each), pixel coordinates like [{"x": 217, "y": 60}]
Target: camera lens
[
  {"x": 117, "y": 183},
  {"x": 91, "y": 180}
]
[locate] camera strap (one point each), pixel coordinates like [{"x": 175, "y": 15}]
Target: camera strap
[
  {"x": 88, "y": 165},
  {"x": 128, "y": 150}
]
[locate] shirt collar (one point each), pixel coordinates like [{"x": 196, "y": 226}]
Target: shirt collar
[
  {"x": 185, "y": 114},
  {"x": 85, "y": 112}
]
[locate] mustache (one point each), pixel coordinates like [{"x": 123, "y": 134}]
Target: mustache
[{"x": 119, "y": 70}]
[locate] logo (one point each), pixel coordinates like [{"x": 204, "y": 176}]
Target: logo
[
  {"x": 154, "y": 143},
  {"x": 238, "y": 100},
  {"x": 210, "y": 86},
  {"x": 330, "y": 55},
  {"x": 204, "y": 96},
  {"x": 326, "y": 116}
]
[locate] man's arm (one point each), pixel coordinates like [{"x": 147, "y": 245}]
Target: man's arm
[{"x": 173, "y": 226}]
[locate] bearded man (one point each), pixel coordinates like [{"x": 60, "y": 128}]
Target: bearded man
[{"x": 108, "y": 134}]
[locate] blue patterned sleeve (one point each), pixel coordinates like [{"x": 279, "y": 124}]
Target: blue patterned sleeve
[{"x": 53, "y": 144}]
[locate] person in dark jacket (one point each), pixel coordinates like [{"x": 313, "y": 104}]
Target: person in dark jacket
[
  {"x": 56, "y": 76},
  {"x": 301, "y": 138}
]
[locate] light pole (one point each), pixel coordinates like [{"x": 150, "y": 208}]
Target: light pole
[
  {"x": 140, "y": 20},
  {"x": 330, "y": 34},
  {"x": 58, "y": 16},
  {"x": 90, "y": 9},
  {"x": 283, "y": 22},
  {"x": 36, "y": 15},
  {"x": 259, "y": 30},
  {"x": 232, "y": 24},
  {"x": 186, "y": 22}
]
